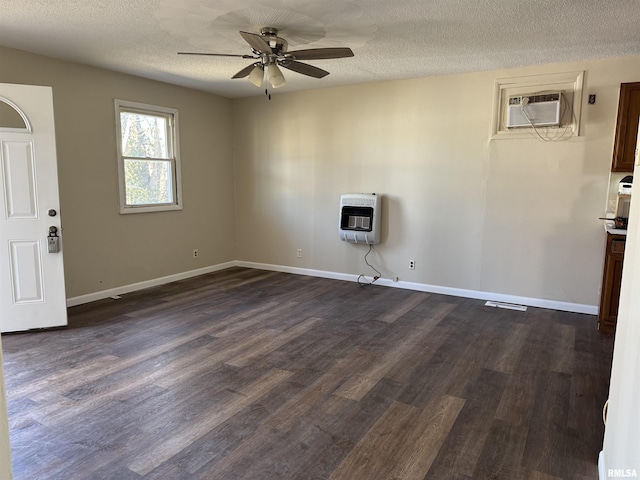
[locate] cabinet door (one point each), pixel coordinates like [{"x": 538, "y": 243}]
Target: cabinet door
[
  {"x": 611, "y": 281},
  {"x": 626, "y": 127}
]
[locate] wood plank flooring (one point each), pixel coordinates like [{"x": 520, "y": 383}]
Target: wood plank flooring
[{"x": 247, "y": 374}]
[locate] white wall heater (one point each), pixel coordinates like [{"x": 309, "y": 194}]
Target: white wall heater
[{"x": 359, "y": 220}]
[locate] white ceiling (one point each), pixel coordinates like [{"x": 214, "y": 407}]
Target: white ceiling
[{"x": 390, "y": 39}]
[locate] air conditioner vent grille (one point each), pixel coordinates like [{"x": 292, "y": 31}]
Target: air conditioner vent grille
[
  {"x": 537, "y": 110},
  {"x": 549, "y": 97}
]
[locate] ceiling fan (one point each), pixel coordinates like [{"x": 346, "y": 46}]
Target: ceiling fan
[{"x": 271, "y": 52}]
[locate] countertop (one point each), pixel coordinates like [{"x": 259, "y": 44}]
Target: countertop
[{"x": 610, "y": 228}]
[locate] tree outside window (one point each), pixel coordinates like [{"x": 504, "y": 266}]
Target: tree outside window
[{"x": 148, "y": 160}]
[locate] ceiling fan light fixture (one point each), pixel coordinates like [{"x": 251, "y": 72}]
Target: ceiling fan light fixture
[
  {"x": 256, "y": 75},
  {"x": 274, "y": 76},
  {"x": 268, "y": 52}
]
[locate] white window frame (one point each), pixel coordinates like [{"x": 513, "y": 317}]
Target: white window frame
[
  {"x": 569, "y": 83},
  {"x": 172, "y": 116}
]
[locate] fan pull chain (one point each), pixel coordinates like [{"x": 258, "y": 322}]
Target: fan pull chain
[{"x": 266, "y": 92}]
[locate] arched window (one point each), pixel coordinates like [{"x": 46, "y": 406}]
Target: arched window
[{"x": 12, "y": 118}]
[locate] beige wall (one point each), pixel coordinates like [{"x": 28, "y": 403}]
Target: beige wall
[
  {"x": 103, "y": 249},
  {"x": 516, "y": 216}
]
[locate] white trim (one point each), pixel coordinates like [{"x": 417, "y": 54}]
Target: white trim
[
  {"x": 562, "y": 81},
  {"x": 5, "y": 444},
  {"x": 423, "y": 287},
  {"x": 601, "y": 468},
  {"x": 420, "y": 287},
  {"x": 133, "y": 287},
  {"x": 299, "y": 271},
  {"x": 19, "y": 111},
  {"x": 173, "y": 129}
]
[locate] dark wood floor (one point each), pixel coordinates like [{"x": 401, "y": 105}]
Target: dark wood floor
[{"x": 262, "y": 375}]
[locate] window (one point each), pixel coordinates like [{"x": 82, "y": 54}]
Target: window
[{"x": 148, "y": 157}]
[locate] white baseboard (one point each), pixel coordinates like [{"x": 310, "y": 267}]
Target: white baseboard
[
  {"x": 299, "y": 271},
  {"x": 420, "y": 287},
  {"x": 92, "y": 297},
  {"x": 423, "y": 287}
]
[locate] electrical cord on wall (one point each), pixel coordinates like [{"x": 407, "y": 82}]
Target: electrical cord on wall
[{"x": 361, "y": 276}]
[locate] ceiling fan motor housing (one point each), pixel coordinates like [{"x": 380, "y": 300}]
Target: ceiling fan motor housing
[{"x": 278, "y": 45}]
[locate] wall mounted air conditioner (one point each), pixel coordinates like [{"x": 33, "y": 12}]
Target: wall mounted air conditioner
[{"x": 534, "y": 110}]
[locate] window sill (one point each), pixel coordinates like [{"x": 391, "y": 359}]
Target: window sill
[{"x": 149, "y": 209}]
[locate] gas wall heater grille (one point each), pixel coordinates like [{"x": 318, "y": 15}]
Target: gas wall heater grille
[
  {"x": 534, "y": 110},
  {"x": 359, "y": 220}
]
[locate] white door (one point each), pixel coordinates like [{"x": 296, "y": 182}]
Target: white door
[{"x": 32, "y": 293}]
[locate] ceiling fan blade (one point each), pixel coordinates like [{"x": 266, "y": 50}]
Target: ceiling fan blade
[
  {"x": 320, "y": 53},
  {"x": 245, "y": 71},
  {"x": 303, "y": 68},
  {"x": 217, "y": 54},
  {"x": 257, "y": 42}
]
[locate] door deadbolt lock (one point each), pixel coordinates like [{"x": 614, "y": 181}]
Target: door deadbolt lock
[
  {"x": 53, "y": 240},
  {"x": 52, "y": 212}
]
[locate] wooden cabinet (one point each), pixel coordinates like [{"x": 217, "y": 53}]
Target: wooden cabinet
[
  {"x": 626, "y": 127},
  {"x": 611, "y": 280}
]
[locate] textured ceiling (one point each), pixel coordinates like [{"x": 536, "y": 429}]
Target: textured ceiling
[{"x": 390, "y": 39}]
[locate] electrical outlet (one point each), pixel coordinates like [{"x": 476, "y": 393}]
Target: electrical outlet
[
  {"x": 299, "y": 253},
  {"x": 412, "y": 264},
  {"x": 195, "y": 253}
]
